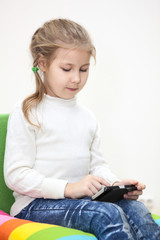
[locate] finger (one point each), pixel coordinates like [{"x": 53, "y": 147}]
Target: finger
[
  {"x": 133, "y": 197},
  {"x": 134, "y": 193},
  {"x": 128, "y": 182},
  {"x": 86, "y": 190},
  {"x": 97, "y": 185},
  {"x": 93, "y": 189},
  {"x": 102, "y": 181},
  {"x": 90, "y": 193},
  {"x": 140, "y": 186}
]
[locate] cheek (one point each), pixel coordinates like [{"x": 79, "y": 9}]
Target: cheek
[
  {"x": 56, "y": 78},
  {"x": 84, "y": 78},
  {"x": 83, "y": 83}
]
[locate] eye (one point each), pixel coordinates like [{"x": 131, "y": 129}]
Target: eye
[
  {"x": 66, "y": 69},
  {"x": 84, "y": 70}
]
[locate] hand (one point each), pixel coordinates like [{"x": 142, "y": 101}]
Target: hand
[
  {"x": 134, "y": 195},
  {"x": 87, "y": 186}
]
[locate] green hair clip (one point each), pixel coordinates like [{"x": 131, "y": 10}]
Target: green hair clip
[{"x": 35, "y": 69}]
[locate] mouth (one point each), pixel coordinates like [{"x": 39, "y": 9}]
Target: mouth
[{"x": 72, "y": 89}]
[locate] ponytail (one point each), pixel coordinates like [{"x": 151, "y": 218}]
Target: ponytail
[{"x": 34, "y": 99}]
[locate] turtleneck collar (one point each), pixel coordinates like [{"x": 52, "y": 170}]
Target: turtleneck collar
[{"x": 61, "y": 101}]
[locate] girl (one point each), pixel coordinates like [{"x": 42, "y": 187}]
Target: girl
[{"x": 53, "y": 162}]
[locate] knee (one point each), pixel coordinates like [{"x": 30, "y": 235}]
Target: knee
[
  {"x": 134, "y": 207},
  {"x": 140, "y": 208},
  {"x": 109, "y": 211}
]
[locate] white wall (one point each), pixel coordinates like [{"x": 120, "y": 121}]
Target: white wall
[{"x": 123, "y": 88}]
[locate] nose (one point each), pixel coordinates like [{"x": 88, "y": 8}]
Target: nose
[{"x": 76, "y": 78}]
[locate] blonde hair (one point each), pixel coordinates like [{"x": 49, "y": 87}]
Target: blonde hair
[{"x": 57, "y": 33}]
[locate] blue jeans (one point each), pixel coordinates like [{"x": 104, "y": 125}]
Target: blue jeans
[{"x": 125, "y": 220}]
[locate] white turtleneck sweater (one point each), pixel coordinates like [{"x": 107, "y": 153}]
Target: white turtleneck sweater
[{"x": 40, "y": 162}]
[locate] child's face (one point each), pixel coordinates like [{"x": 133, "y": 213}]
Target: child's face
[{"x": 67, "y": 73}]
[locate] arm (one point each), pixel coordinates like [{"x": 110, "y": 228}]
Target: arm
[
  {"x": 20, "y": 156},
  {"x": 99, "y": 174},
  {"x": 98, "y": 166}
]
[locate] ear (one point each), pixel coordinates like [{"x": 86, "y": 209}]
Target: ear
[{"x": 42, "y": 63}]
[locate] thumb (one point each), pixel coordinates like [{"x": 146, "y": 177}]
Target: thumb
[{"x": 128, "y": 182}]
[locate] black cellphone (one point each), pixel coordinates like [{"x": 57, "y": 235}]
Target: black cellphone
[{"x": 113, "y": 193}]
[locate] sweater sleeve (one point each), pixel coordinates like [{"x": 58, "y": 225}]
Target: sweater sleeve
[
  {"x": 20, "y": 155},
  {"x": 98, "y": 166}
]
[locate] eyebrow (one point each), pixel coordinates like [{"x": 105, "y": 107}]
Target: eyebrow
[{"x": 71, "y": 64}]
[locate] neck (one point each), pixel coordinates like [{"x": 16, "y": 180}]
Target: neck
[{"x": 61, "y": 101}]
